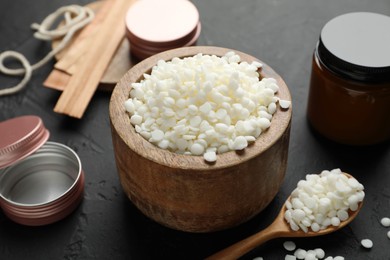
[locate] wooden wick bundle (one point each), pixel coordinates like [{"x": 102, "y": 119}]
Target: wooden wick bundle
[{"x": 82, "y": 68}]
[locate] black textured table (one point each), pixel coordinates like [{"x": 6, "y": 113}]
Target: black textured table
[{"x": 283, "y": 34}]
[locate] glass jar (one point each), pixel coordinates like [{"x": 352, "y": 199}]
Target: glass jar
[{"x": 349, "y": 96}]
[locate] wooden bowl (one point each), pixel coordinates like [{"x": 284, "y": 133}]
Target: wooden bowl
[{"x": 184, "y": 192}]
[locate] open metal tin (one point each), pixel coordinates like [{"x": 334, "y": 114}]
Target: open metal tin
[{"x": 41, "y": 182}]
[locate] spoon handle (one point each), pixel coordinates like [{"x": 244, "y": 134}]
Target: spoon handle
[{"x": 244, "y": 246}]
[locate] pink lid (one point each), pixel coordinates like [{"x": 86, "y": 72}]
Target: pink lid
[
  {"x": 20, "y": 137},
  {"x": 162, "y": 22},
  {"x": 143, "y": 51}
]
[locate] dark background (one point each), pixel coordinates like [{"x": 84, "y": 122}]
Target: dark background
[{"x": 281, "y": 33}]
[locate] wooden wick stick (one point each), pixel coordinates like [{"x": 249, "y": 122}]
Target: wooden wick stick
[
  {"x": 68, "y": 62},
  {"x": 57, "y": 79},
  {"x": 83, "y": 83}
]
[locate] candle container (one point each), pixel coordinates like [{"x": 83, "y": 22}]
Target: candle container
[
  {"x": 349, "y": 97},
  {"x": 154, "y": 26},
  {"x": 41, "y": 182}
]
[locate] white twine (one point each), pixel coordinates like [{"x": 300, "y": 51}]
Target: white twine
[{"x": 75, "y": 16}]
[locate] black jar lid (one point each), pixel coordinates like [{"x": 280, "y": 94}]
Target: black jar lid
[{"x": 357, "y": 46}]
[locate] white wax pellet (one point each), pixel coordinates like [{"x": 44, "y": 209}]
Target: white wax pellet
[
  {"x": 367, "y": 243},
  {"x": 264, "y": 123},
  {"x": 138, "y": 129},
  {"x": 222, "y": 149},
  {"x": 385, "y": 222},
  {"x": 197, "y": 149},
  {"x": 163, "y": 144},
  {"x": 335, "y": 221},
  {"x": 273, "y": 86},
  {"x": 272, "y": 108},
  {"x": 221, "y": 113},
  {"x": 298, "y": 214},
  {"x": 195, "y": 121},
  {"x": 145, "y": 134},
  {"x": 136, "y": 119},
  {"x": 157, "y": 135},
  {"x": 329, "y": 258},
  {"x": 258, "y": 258},
  {"x": 300, "y": 253},
  {"x": 205, "y": 108},
  {"x": 310, "y": 203},
  {"x": 285, "y": 104},
  {"x": 327, "y": 222},
  {"x": 388, "y": 234},
  {"x": 290, "y": 257},
  {"x": 210, "y": 156},
  {"x": 338, "y": 258},
  {"x": 297, "y": 203},
  {"x": 353, "y": 207},
  {"x": 342, "y": 215},
  {"x": 257, "y": 64},
  {"x": 303, "y": 227},
  {"x": 129, "y": 106},
  {"x": 320, "y": 253},
  {"x": 307, "y": 211},
  {"x": 310, "y": 255},
  {"x": 289, "y": 245},
  {"x": 168, "y": 113},
  {"x": 250, "y": 138},
  {"x": 240, "y": 143},
  {"x": 294, "y": 226},
  {"x": 192, "y": 109},
  {"x": 265, "y": 114},
  {"x": 315, "y": 227}
]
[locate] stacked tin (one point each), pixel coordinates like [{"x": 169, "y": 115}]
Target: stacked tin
[
  {"x": 41, "y": 182},
  {"x": 153, "y": 26}
]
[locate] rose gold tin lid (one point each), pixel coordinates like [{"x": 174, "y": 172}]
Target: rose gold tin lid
[
  {"x": 20, "y": 137},
  {"x": 143, "y": 51},
  {"x": 194, "y": 35},
  {"x": 161, "y": 23}
]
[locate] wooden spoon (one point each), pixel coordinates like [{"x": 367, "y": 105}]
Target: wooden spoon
[{"x": 278, "y": 228}]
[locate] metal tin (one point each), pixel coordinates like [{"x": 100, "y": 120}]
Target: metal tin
[
  {"x": 153, "y": 26},
  {"x": 145, "y": 51},
  {"x": 45, "y": 183},
  {"x": 20, "y": 137}
]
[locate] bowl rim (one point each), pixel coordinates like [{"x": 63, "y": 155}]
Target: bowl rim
[{"x": 120, "y": 120}]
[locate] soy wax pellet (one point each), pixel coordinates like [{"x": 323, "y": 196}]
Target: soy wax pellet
[
  {"x": 197, "y": 149},
  {"x": 289, "y": 245},
  {"x": 367, "y": 243},
  {"x": 183, "y": 107},
  {"x": 385, "y": 222},
  {"x": 320, "y": 253},
  {"x": 285, "y": 104},
  {"x": 157, "y": 135},
  {"x": 210, "y": 156},
  {"x": 326, "y": 198}
]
